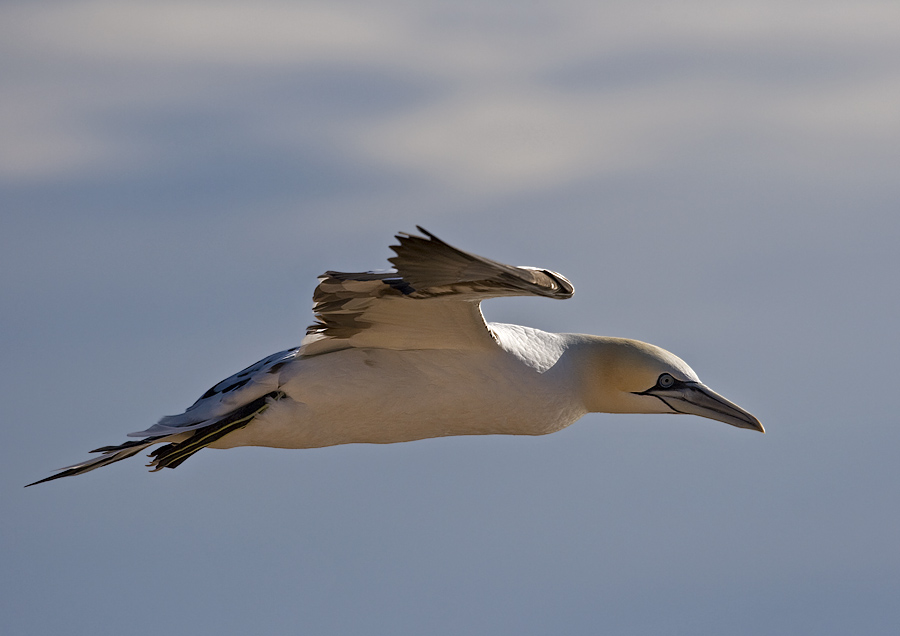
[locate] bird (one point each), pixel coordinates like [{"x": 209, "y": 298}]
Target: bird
[{"x": 405, "y": 354}]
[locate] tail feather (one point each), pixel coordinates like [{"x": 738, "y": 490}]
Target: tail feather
[{"x": 180, "y": 446}]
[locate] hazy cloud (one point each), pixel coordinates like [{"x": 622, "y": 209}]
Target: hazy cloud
[{"x": 486, "y": 100}]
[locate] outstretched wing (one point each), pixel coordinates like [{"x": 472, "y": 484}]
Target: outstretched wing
[
  {"x": 430, "y": 301},
  {"x": 226, "y": 407},
  {"x": 257, "y": 381}
]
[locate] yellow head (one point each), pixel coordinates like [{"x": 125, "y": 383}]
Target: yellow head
[{"x": 629, "y": 376}]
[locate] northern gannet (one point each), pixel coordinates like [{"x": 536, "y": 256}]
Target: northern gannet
[{"x": 405, "y": 354}]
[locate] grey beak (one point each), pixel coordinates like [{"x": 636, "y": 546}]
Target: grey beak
[{"x": 698, "y": 399}]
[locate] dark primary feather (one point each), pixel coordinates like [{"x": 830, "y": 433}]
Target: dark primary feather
[{"x": 111, "y": 455}]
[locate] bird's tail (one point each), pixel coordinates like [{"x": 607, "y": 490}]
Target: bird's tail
[{"x": 180, "y": 446}]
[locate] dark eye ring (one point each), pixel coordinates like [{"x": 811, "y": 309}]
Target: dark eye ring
[{"x": 665, "y": 381}]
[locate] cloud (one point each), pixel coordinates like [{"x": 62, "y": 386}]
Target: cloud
[{"x": 488, "y": 100}]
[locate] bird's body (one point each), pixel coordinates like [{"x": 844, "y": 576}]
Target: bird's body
[
  {"x": 406, "y": 355},
  {"x": 385, "y": 396}
]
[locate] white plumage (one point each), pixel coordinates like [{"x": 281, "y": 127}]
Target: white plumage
[{"x": 406, "y": 354}]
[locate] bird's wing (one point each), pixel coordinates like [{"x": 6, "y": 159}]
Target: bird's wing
[
  {"x": 229, "y": 405},
  {"x": 429, "y": 301},
  {"x": 253, "y": 383}
]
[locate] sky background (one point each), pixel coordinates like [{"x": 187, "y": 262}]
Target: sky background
[{"x": 718, "y": 178}]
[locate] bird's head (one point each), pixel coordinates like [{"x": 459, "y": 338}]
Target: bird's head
[{"x": 630, "y": 376}]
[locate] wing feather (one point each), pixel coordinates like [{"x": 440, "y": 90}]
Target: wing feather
[
  {"x": 221, "y": 399},
  {"x": 430, "y": 300}
]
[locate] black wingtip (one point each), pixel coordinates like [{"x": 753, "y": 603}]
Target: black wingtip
[
  {"x": 400, "y": 236},
  {"x": 66, "y": 473},
  {"x": 430, "y": 236}
]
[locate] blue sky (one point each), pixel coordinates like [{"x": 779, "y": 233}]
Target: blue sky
[{"x": 718, "y": 178}]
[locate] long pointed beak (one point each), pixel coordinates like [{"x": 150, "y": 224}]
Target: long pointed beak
[{"x": 698, "y": 399}]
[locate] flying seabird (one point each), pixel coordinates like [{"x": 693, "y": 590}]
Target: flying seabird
[{"x": 405, "y": 354}]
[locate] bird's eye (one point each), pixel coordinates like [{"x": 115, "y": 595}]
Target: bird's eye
[{"x": 665, "y": 381}]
